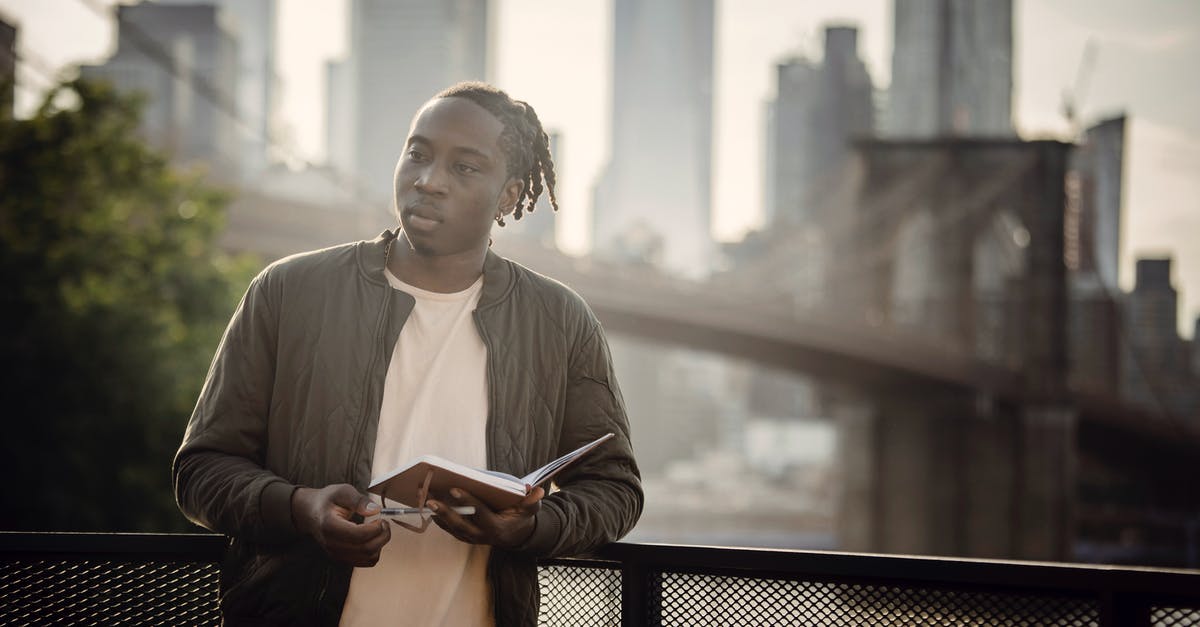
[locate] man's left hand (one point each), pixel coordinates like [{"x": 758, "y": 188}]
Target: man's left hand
[{"x": 507, "y": 528}]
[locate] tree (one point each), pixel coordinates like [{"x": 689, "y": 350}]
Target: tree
[{"x": 113, "y": 296}]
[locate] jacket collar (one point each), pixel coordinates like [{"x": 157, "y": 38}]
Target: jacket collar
[{"x": 498, "y": 274}]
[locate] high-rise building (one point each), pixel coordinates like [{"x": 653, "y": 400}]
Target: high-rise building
[
  {"x": 817, "y": 111},
  {"x": 1092, "y": 225},
  {"x": 1156, "y": 372},
  {"x": 1094, "y": 337},
  {"x": 253, "y": 24},
  {"x": 1094, "y": 221},
  {"x": 402, "y": 52},
  {"x": 951, "y": 69},
  {"x": 339, "y": 114},
  {"x": 652, "y": 202},
  {"x": 184, "y": 60}
]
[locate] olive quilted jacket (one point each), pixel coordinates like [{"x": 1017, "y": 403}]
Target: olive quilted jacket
[{"x": 292, "y": 399}]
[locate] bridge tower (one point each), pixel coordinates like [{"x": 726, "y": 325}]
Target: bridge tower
[{"x": 960, "y": 242}]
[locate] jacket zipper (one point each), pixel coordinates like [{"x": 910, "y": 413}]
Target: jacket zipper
[
  {"x": 489, "y": 444},
  {"x": 371, "y": 367},
  {"x": 492, "y": 566}
]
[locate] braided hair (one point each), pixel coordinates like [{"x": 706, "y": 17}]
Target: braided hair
[{"x": 524, "y": 142}]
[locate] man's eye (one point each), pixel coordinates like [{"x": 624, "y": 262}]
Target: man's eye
[
  {"x": 416, "y": 155},
  {"x": 467, "y": 169}
]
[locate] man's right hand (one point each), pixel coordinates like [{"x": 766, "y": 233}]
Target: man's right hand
[{"x": 325, "y": 515}]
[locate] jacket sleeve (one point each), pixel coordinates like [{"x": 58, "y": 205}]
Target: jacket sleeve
[
  {"x": 600, "y": 497},
  {"x": 218, "y": 474}
]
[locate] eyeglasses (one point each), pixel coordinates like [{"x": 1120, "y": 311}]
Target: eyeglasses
[{"x": 422, "y": 495}]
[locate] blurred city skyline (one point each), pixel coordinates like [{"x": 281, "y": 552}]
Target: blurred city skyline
[
  {"x": 1141, "y": 56},
  {"x": 918, "y": 347}
]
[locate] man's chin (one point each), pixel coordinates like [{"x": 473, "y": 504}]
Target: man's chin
[
  {"x": 417, "y": 243},
  {"x": 428, "y": 245}
]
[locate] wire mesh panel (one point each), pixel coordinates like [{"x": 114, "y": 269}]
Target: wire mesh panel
[
  {"x": 573, "y": 595},
  {"x": 1175, "y": 617},
  {"x": 95, "y": 592},
  {"x": 688, "y": 599}
]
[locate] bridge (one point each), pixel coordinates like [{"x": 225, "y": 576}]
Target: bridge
[{"x": 941, "y": 350}]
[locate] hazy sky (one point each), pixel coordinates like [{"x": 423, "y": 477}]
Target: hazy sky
[{"x": 555, "y": 55}]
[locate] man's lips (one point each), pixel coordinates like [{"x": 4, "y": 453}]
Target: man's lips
[{"x": 422, "y": 216}]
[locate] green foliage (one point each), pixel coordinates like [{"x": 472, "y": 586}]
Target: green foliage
[{"x": 113, "y": 297}]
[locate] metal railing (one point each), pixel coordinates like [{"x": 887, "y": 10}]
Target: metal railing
[{"x": 139, "y": 579}]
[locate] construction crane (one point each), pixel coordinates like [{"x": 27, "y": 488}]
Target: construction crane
[{"x": 1072, "y": 100}]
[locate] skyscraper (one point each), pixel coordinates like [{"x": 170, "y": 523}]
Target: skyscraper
[
  {"x": 951, "y": 68},
  {"x": 652, "y": 201},
  {"x": 339, "y": 114},
  {"x": 1092, "y": 226},
  {"x": 1155, "y": 371},
  {"x": 817, "y": 111},
  {"x": 402, "y": 52},
  {"x": 252, "y": 22},
  {"x": 184, "y": 60},
  {"x": 1098, "y": 170}
]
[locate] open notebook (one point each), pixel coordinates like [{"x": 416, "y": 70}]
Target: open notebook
[{"x": 499, "y": 490}]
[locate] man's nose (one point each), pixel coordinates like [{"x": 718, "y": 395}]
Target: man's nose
[{"x": 431, "y": 180}]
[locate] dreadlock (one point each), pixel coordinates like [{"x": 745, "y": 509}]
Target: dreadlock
[{"x": 524, "y": 142}]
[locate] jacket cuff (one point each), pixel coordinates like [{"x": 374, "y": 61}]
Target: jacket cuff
[
  {"x": 547, "y": 528},
  {"x": 275, "y": 506}
]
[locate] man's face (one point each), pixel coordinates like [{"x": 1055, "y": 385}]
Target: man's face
[{"x": 452, "y": 180}]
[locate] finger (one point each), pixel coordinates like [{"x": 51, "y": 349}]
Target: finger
[
  {"x": 346, "y": 496},
  {"x": 368, "y": 533},
  {"x": 355, "y": 551},
  {"x": 451, "y": 530},
  {"x": 366, "y": 507},
  {"x": 346, "y": 532},
  {"x": 454, "y": 523},
  {"x": 528, "y": 506},
  {"x": 457, "y": 532},
  {"x": 484, "y": 516},
  {"x": 532, "y": 502},
  {"x": 373, "y": 549},
  {"x": 462, "y": 497},
  {"x": 377, "y": 543}
]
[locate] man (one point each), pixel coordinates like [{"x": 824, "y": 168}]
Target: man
[{"x": 343, "y": 363}]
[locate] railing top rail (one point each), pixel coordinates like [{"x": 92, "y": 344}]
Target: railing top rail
[
  {"x": 1053, "y": 577},
  {"x": 835, "y": 565},
  {"x": 187, "y": 546}
]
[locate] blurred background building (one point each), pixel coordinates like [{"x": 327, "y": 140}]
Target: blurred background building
[
  {"x": 1156, "y": 364},
  {"x": 400, "y": 53},
  {"x": 818, "y": 109},
  {"x": 184, "y": 60},
  {"x": 253, "y": 23},
  {"x": 652, "y": 202},
  {"x": 951, "y": 68}
]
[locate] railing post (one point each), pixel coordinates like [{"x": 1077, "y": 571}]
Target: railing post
[
  {"x": 1123, "y": 610},
  {"x": 635, "y": 586}
]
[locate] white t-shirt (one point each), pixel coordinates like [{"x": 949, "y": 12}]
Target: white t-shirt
[{"x": 434, "y": 402}]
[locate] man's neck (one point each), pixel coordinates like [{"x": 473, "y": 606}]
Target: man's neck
[{"x": 444, "y": 274}]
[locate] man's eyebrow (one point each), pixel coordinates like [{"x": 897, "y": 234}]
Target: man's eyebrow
[{"x": 414, "y": 139}]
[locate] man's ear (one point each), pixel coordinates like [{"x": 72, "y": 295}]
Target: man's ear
[{"x": 510, "y": 195}]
